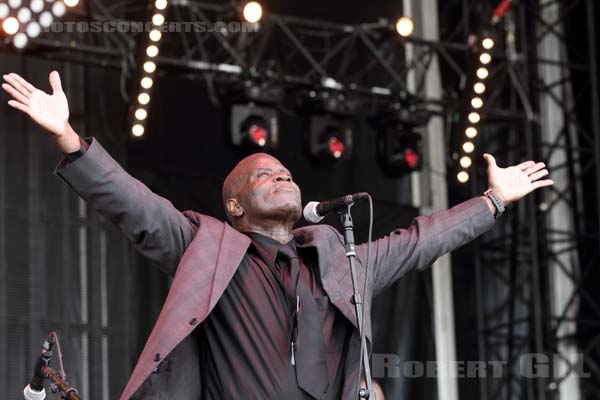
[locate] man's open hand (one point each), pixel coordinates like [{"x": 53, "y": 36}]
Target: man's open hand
[
  {"x": 513, "y": 183},
  {"x": 50, "y": 111}
]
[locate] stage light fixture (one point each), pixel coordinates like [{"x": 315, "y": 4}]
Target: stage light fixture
[
  {"x": 252, "y": 12},
  {"x": 485, "y": 58},
  {"x": 137, "y": 130},
  {"x": 398, "y": 146},
  {"x": 155, "y": 35},
  {"x": 146, "y": 82},
  {"x": 158, "y": 19},
  {"x": 14, "y": 4},
  {"x": 20, "y": 40},
  {"x": 405, "y": 26},
  {"x": 141, "y": 114},
  {"x": 254, "y": 128},
  {"x": 46, "y": 19},
  {"x": 466, "y": 162},
  {"x": 488, "y": 43},
  {"x": 479, "y": 88},
  {"x": 10, "y": 25},
  {"x": 24, "y": 15},
  {"x": 152, "y": 51},
  {"x": 474, "y": 117},
  {"x": 471, "y": 132},
  {"x": 463, "y": 176},
  {"x": 144, "y": 98},
  {"x": 476, "y": 102},
  {"x": 149, "y": 67},
  {"x": 4, "y": 10},
  {"x": 59, "y": 9},
  {"x": 35, "y": 5},
  {"x": 160, "y": 4},
  {"x": 468, "y": 147},
  {"x": 482, "y": 73},
  {"x": 330, "y": 138}
]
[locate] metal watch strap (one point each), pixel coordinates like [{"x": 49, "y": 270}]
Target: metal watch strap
[{"x": 495, "y": 201}]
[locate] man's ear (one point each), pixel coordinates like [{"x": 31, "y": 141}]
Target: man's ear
[{"x": 234, "y": 208}]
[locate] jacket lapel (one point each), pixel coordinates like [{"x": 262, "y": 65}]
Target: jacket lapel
[{"x": 207, "y": 266}]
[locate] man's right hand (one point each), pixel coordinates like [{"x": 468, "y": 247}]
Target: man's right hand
[{"x": 51, "y": 112}]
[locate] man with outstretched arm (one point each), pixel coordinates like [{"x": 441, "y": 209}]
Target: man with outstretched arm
[{"x": 256, "y": 309}]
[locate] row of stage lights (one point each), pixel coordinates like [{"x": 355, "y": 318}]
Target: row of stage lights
[
  {"x": 252, "y": 12},
  {"x": 475, "y": 106},
  {"x": 25, "y": 20}
]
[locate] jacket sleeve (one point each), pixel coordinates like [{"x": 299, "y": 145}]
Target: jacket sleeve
[
  {"x": 154, "y": 226},
  {"x": 427, "y": 238}
]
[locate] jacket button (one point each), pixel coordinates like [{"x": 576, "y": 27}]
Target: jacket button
[
  {"x": 193, "y": 321},
  {"x": 157, "y": 357}
]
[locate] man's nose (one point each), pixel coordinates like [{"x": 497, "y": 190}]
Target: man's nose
[{"x": 282, "y": 178}]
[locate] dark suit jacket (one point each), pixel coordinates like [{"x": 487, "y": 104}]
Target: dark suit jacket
[{"x": 203, "y": 254}]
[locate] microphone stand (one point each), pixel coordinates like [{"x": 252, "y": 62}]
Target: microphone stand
[
  {"x": 357, "y": 301},
  {"x": 67, "y": 392}
]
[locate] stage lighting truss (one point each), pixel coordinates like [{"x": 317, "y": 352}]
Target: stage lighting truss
[
  {"x": 23, "y": 20},
  {"x": 475, "y": 106},
  {"x": 254, "y": 127},
  {"x": 148, "y": 63}
]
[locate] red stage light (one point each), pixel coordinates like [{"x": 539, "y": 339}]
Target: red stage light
[
  {"x": 412, "y": 158},
  {"x": 259, "y": 135},
  {"x": 336, "y": 147}
]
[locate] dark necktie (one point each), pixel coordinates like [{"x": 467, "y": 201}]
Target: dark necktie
[{"x": 308, "y": 349}]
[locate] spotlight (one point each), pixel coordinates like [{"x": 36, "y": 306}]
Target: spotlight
[
  {"x": 252, "y": 12},
  {"x": 160, "y": 4},
  {"x": 254, "y": 127},
  {"x": 466, "y": 162},
  {"x": 485, "y": 58},
  {"x": 147, "y": 82},
  {"x": 399, "y": 147},
  {"x": 479, "y": 88},
  {"x": 152, "y": 51},
  {"x": 476, "y": 102},
  {"x": 141, "y": 114},
  {"x": 137, "y": 130},
  {"x": 149, "y": 67},
  {"x": 405, "y": 26},
  {"x": 487, "y": 43},
  {"x": 46, "y": 19},
  {"x": 33, "y": 29},
  {"x": 59, "y": 9},
  {"x": 24, "y": 15},
  {"x": 4, "y": 10},
  {"x": 36, "y": 6},
  {"x": 474, "y": 117},
  {"x": 155, "y": 35},
  {"x": 471, "y": 132},
  {"x": 14, "y": 4},
  {"x": 144, "y": 98},
  {"x": 482, "y": 73},
  {"x": 463, "y": 176},
  {"x": 71, "y": 3},
  {"x": 468, "y": 147},
  {"x": 20, "y": 40},
  {"x": 330, "y": 138},
  {"x": 158, "y": 19},
  {"x": 10, "y": 25}
]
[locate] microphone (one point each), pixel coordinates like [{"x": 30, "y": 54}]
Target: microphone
[
  {"x": 315, "y": 211},
  {"x": 35, "y": 390}
]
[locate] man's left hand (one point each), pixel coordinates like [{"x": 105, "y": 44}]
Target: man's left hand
[{"x": 513, "y": 183}]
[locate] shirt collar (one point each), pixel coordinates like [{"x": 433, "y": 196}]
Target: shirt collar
[{"x": 268, "y": 247}]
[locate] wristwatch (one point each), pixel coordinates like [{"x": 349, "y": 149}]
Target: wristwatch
[{"x": 496, "y": 201}]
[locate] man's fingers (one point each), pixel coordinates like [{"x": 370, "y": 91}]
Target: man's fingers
[
  {"x": 23, "y": 82},
  {"x": 15, "y": 94},
  {"x": 534, "y": 168},
  {"x": 55, "y": 81},
  {"x": 19, "y": 106},
  {"x": 538, "y": 175},
  {"x": 539, "y": 184},
  {"x": 17, "y": 85},
  {"x": 524, "y": 165}
]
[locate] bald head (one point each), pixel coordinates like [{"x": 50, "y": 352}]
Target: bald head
[{"x": 257, "y": 184}]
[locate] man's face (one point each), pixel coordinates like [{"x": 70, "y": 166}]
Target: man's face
[{"x": 268, "y": 192}]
